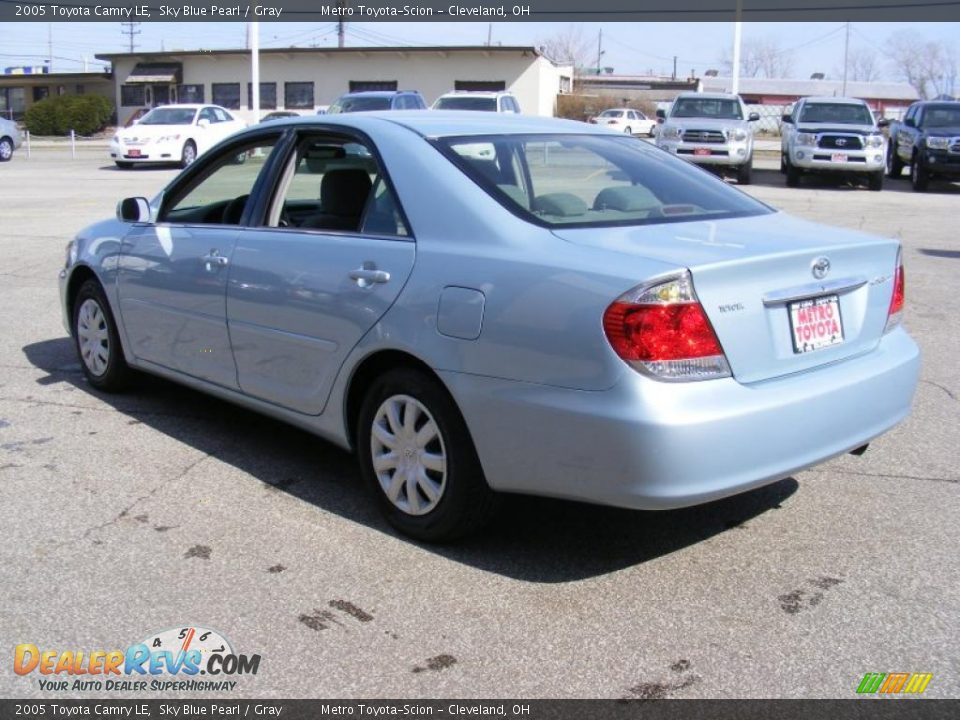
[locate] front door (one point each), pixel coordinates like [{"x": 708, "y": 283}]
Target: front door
[
  {"x": 161, "y": 94},
  {"x": 173, "y": 274}
]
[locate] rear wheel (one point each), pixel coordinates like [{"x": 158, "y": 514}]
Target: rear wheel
[
  {"x": 875, "y": 180},
  {"x": 97, "y": 340},
  {"x": 6, "y": 149},
  {"x": 919, "y": 177},
  {"x": 745, "y": 173},
  {"x": 417, "y": 457},
  {"x": 894, "y": 163},
  {"x": 793, "y": 174},
  {"x": 189, "y": 154}
]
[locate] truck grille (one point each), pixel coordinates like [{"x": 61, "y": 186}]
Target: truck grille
[
  {"x": 704, "y": 136},
  {"x": 841, "y": 142}
]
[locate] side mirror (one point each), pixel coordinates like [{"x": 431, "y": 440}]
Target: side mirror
[
  {"x": 753, "y": 117},
  {"x": 910, "y": 122},
  {"x": 788, "y": 119},
  {"x": 883, "y": 122},
  {"x": 133, "y": 210},
  {"x": 203, "y": 122},
  {"x": 661, "y": 115}
]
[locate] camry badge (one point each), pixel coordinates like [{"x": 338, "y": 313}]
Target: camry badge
[{"x": 820, "y": 267}]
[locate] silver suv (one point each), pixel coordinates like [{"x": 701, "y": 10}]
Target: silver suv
[
  {"x": 833, "y": 135},
  {"x": 710, "y": 129},
  {"x": 10, "y": 139}
]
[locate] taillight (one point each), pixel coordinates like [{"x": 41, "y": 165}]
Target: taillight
[
  {"x": 663, "y": 331},
  {"x": 895, "y": 313}
]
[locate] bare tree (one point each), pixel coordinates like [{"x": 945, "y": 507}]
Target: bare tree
[
  {"x": 928, "y": 65},
  {"x": 569, "y": 47},
  {"x": 863, "y": 65},
  {"x": 760, "y": 57}
]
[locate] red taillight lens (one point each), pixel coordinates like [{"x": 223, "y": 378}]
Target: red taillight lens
[
  {"x": 895, "y": 313},
  {"x": 664, "y": 331}
]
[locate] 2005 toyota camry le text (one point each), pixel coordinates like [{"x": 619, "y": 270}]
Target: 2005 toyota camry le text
[{"x": 478, "y": 305}]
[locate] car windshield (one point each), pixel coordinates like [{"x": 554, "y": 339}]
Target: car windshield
[
  {"x": 720, "y": 108},
  {"x": 838, "y": 113},
  {"x": 612, "y": 113},
  {"x": 359, "y": 104},
  {"x": 169, "y": 116},
  {"x": 467, "y": 103},
  {"x": 942, "y": 116},
  {"x": 593, "y": 181}
]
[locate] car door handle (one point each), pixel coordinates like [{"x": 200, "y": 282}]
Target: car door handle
[
  {"x": 365, "y": 277},
  {"x": 214, "y": 260}
]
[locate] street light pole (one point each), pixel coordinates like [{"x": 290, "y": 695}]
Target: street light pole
[
  {"x": 255, "y": 68},
  {"x": 846, "y": 55},
  {"x": 737, "y": 35}
]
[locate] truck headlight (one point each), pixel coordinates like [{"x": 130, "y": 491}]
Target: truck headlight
[
  {"x": 806, "y": 139},
  {"x": 938, "y": 143},
  {"x": 737, "y": 134},
  {"x": 670, "y": 132},
  {"x": 873, "y": 141}
]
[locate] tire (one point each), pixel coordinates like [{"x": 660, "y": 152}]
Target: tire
[
  {"x": 652, "y": 132},
  {"x": 875, "y": 181},
  {"x": 894, "y": 163},
  {"x": 628, "y": 130},
  {"x": 124, "y": 165},
  {"x": 745, "y": 173},
  {"x": 462, "y": 502},
  {"x": 783, "y": 164},
  {"x": 189, "y": 154},
  {"x": 97, "y": 341},
  {"x": 6, "y": 149},
  {"x": 919, "y": 177},
  {"x": 793, "y": 174}
]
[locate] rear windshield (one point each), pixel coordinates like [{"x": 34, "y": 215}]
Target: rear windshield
[
  {"x": 837, "y": 113},
  {"x": 467, "y": 103},
  {"x": 169, "y": 116},
  {"x": 359, "y": 104},
  {"x": 591, "y": 180},
  {"x": 721, "y": 109},
  {"x": 942, "y": 116}
]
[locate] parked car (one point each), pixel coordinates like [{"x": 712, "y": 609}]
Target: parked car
[
  {"x": 626, "y": 120},
  {"x": 10, "y": 139},
  {"x": 476, "y": 306},
  {"x": 279, "y": 115},
  {"x": 928, "y": 140},
  {"x": 833, "y": 135},
  {"x": 710, "y": 129},
  {"x": 173, "y": 134},
  {"x": 502, "y": 102},
  {"x": 378, "y": 100}
]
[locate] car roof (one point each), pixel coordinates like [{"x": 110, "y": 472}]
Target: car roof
[
  {"x": 476, "y": 93},
  {"x": 379, "y": 93},
  {"x": 833, "y": 100},
  {"x": 184, "y": 106},
  {"x": 708, "y": 96},
  {"x": 449, "y": 123}
]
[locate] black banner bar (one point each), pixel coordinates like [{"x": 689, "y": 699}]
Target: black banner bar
[
  {"x": 479, "y": 10},
  {"x": 184, "y": 709}
]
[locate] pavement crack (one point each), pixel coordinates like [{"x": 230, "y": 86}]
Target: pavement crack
[
  {"x": 953, "y": 481},
  {"x": 947, "y": 390}
]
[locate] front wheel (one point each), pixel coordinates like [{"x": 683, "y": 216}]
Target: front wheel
[
  {"x": 97, "y": 339},
  {"x": 189, "y": 154},
  {"x": 894, "y": 163},
  {"x": 745, "y": 173},
  {"x": 417, "y": 457},
  {"x": 793, "y": 174},
  {"x": 919, "y": 177},
  {"x": 875, "y": 180},
  {"x": 6, "y": 149}
]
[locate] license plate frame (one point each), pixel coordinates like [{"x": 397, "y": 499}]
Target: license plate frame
[
  {"x": 702, "y": 151},
  {"x": 133, "y": 152},
  {"x": 839, "y": 157},
  {"x": 813, "y": 328}
]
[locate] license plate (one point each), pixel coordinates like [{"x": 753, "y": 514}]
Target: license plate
[
  {"x": 815, "y": 323},
  {"x": 838, "y": 157},
  {"x": 701, "y": 151},
  {"x": 133, "y": 153}
]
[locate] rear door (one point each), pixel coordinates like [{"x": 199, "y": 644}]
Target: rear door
[{"x": 327, "y": 260}]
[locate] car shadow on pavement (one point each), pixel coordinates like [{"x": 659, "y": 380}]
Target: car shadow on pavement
[
  {"x": 532, "y": 539},
  {"x": 824, "y": 181}
]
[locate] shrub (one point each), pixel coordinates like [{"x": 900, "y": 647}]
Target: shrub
[{"x": 84, "y": 114}]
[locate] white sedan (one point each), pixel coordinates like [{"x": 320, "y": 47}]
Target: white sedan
[
  {"x": 626, "y": 120},
  {"x": 176, "y": 134}
]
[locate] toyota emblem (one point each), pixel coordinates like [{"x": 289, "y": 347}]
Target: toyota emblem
[
  {"x": 820, "y": 267},
  {"x": 841, "y": 142}
]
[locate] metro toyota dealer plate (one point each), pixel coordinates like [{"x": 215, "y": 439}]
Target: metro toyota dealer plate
[
  {"x": 701, "y": 151},
  {"x": 815, "y": 323}
]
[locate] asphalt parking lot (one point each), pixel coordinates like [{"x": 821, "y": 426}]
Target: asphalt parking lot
[{"x": 129, "y": 514}]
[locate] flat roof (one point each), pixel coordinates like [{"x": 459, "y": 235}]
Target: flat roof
[{"x": 403, "y": 50}]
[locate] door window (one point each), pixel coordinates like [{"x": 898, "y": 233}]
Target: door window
[{"x": 219, "y": 195}]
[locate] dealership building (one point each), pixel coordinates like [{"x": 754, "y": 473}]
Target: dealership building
[{"x": 306, "y": 79}]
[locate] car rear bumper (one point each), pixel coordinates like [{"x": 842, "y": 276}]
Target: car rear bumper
[{"x": 650, "y": 445}]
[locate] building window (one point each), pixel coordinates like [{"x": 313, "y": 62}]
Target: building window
[
  {"x": 298, "y": 95},
  {"x": 268, "y": 96},
  {"x": 369, "y": 85},
  {"x": 131, "y": 95},
  {"x": 12, "y": 102},
  {"x": 191, "y": 94},
  {"x": 227, "y": 95},
  {"x": 40, "y": 92},
  {"x": 480, "y": 85}
]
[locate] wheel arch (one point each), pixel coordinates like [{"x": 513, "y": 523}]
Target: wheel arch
[{"x": 80, "y": 274}]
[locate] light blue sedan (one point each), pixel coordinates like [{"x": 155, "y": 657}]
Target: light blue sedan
[{"x": 478, "y": 306}]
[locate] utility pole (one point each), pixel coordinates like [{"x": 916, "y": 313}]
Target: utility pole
[
  {"x": 489, "y": 34},
  {"x": 341, "y": 25},
  {"x": 50, "y": 47},
  {"x": 737, "y": 36},
  {"x": 599, "y": 49},
  {"x": 674, "y": 76},
  {"x": 253, "y": 33},
  {"x": 130, "y": 28},
  {"x": 846, "y": 55}
]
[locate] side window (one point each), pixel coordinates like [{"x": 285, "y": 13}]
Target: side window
[
  {"x": 208, "y": 115},
  {"x": 221, "y": 115},
  {"x": 335, "y": 185},
  {"x": 218, "y": 196}
]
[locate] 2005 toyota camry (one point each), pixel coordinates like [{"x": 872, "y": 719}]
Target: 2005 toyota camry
[{"x": 479, "y": 305}]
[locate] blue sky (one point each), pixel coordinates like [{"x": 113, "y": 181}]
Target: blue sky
[{"x": 628, "y": 47}]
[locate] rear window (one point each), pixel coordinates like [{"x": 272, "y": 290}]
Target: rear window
[
  {"x": 359, "y": 104},
  {"x": 467, "y": 103},
  {"x": 587, "y": 180},
  {"x": 837, "y": 113}
]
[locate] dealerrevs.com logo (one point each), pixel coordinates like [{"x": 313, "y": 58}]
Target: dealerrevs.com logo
[{"x": 171, "y": 660}]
